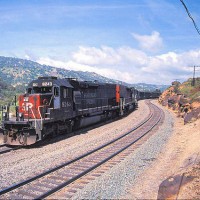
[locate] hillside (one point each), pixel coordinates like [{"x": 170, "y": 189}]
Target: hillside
[
  {"x": 184, "y": 99},
  {"x": 20, "y": 72},
  {"x": 149, "y": 87},
  {"x": 6, "y": 92}
]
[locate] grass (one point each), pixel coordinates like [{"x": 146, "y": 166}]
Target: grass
[{"x": 192, "y": 92}]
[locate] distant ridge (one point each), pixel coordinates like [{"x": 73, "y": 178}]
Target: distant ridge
[{"x": 19, "y": 72}]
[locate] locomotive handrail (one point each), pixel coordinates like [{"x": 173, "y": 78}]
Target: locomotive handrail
[
  {"x": 41, "y": 116},
  {"x": 34, "y": 117},
  {"x": 100, "y": 106},
  {"x": 32, "y": 113},
  {"x": 50, "y": 100}
]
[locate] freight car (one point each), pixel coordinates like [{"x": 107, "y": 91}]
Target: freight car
[
  {"x": 51, "y": 106},
  {"x": 149, "y": 94}
]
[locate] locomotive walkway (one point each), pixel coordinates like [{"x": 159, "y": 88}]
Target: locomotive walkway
[{"x": 51, "y": 181}]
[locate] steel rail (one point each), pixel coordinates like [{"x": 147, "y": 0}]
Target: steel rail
[
  {"x": 6, "y": 190},
  {"x": 5, "y": 149},
  {"x": 95, "y": 166}
]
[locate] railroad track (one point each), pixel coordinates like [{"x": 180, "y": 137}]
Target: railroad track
[
  {"x": 5, "y": 149},
  {"x": 49, "y": 182}
]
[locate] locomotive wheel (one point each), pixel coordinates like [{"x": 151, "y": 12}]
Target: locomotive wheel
[
  {"x": 70, "y": 127},
  {"x": 76, "y": 125}
]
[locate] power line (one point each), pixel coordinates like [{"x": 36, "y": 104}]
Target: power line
[{"x": 190, "y": 16}]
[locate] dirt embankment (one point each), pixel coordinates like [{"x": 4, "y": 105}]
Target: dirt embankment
[
  {"x": 182, "y": 163},
  {"x": 184, "y": 181},
  {"x": 183, "y": 99}
]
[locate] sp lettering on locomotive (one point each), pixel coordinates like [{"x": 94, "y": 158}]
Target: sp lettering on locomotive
[{"x": 26, "y": 106}]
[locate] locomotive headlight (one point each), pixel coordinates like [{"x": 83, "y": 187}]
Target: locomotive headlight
[
  {"x": 21, "y": 117},
  {"x": 26, "y": 99},
  {"x": 5, "y": 115}
]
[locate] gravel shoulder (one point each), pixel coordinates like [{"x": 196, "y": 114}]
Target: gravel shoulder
[{"x": 181, "y": 155}]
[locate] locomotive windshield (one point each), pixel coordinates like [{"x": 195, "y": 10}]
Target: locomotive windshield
[{"x": 39, "y": 90}]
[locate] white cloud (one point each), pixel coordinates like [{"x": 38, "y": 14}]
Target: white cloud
[
  {"x": 129, "y": 64},
  {"x": 95, "y": 56},
  {"x": 70, "y": 65},
  {"x": 108, "y": 56},
  {"x": 132, "y": 56},
  {"x": 151, "y": 43}
]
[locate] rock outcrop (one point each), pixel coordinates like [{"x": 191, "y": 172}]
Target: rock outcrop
[{"x": 183, "y": 99}]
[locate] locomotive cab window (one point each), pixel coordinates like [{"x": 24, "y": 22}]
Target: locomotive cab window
[
  {"x": 46, "y": 89},
  {"x": 39, "y": 90},
  {"x": 56, "y": 91}
]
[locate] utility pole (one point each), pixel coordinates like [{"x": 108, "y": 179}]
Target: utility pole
[{"x": 193, "y": 80}]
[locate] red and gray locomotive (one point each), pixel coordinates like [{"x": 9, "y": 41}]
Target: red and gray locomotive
[{"x": 51, "y": 106}]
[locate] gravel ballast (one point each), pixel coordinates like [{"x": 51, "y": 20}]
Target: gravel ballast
[
  {"x": 23, "y": 163},
  {"x": 116, "y": 182}
]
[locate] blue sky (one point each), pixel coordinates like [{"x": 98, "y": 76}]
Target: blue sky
[{"x": 151, "y": 41}]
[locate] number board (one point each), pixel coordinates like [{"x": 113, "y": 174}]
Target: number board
[
  {"x": 47, "y": 84},
  {"x": 35, "y": 84}
]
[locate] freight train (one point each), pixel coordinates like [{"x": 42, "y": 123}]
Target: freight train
[{"x": 51, "y": 106}]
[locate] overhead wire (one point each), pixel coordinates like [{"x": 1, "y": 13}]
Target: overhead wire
[{"x": 190, "y": 16}]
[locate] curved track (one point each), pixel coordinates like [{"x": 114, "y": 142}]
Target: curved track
[{"x": 47, "y": 183}]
